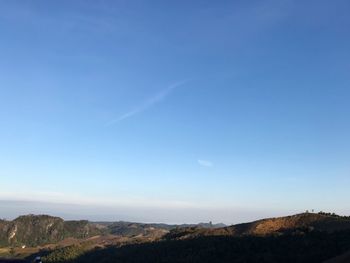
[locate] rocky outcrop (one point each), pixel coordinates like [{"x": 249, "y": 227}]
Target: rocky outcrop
[{"x": 34, "y": 230}]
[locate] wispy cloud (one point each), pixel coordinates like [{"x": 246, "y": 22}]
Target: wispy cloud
[
  {"x": 205, "y": 163},
  {"x": 148, "y": 103}
]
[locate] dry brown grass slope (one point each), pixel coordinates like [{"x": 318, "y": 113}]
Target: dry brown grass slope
[{"x": 300, "y": 222}]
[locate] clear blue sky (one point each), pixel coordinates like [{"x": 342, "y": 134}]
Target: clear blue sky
[{"x": 184, "y": 110}]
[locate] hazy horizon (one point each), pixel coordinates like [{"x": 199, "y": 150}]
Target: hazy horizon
[
  {"x": 174, "y": 112},
  {"x": 12, "y": 209}
]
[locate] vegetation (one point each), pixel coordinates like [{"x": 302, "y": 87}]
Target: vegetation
[
  {"x": 34, "y": 230},
  {"x": 306, "y": 237},
  {"x": 333, "y": 215},
  {"x": 130, "y": 229},
  {"x": 302, "y": 247},
  {"x": 65, "y": 254}
]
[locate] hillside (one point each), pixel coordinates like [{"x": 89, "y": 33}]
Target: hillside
[
  {"x": 34, "y": 230},
  {"x": 131, "y": 229},
  {"x": 299, "y": 238},
  {"x": 313, "y": 247},
  {"x": 343, "y": 258},
  {"x": 37, "y": 230},
  {"x": 303, "y": 237},
  {"x": 305, "y": 222}
]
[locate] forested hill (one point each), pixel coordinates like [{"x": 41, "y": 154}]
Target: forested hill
[{"x": 34, "y": 230}]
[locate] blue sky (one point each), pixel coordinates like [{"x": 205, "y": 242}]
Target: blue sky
[{"x": 175, "y": 111}]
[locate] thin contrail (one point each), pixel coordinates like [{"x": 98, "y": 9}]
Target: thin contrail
[{"x": 148, "y": 103}]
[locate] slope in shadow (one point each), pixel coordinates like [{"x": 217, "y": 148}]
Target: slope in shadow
[{"x": 303, "y": 247}]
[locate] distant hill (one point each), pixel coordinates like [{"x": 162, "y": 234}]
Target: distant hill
[
  {"x": 130, "y": 229},
  {"x": 305, "y": 222},
  {"x": 305, "y": 237},
  {"x": 34, "y": 230}
]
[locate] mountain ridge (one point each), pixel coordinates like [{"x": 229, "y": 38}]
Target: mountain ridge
[
  {"x": 303, "y": 222},
  {"x": 35, "y": 230},
  {"x": 305, "y": 237}
]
